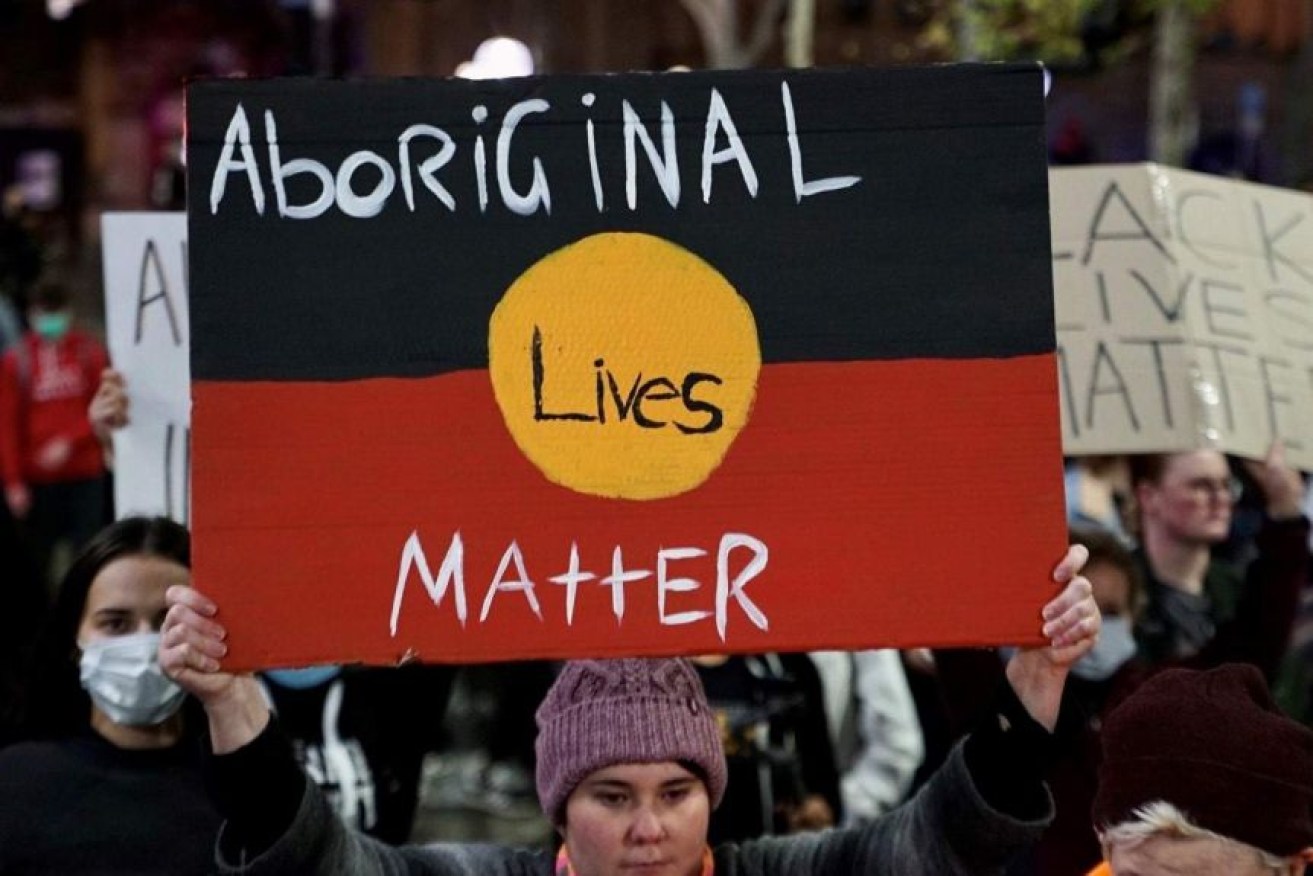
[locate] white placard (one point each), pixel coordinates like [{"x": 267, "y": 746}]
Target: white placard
[
  {"x": 1184, "y": 310},
  {"x": 146, "y": 320}
]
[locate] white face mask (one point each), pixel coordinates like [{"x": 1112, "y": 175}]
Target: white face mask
[
  {"x": 1115, "y": 646},
  {"x": 123, "y": 676}
]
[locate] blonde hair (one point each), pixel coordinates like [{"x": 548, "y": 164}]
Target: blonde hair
[{"x": 1161, "y": 818}]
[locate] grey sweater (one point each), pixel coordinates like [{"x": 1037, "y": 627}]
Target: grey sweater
[{"x": 948, "y": 828}]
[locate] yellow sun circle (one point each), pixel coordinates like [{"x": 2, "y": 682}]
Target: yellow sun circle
[{"x": 624, "y": 366}]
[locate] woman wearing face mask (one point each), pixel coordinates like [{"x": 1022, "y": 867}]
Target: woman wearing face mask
[{"x": 114, "y": 784}]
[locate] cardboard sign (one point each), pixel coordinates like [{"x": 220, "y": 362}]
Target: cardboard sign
[
  {"x": 595, "y": 365},
  {"x": 1185, "y": 312},
  {"x": 145, "y": 259}
]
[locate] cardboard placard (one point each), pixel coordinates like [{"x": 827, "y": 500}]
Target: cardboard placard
[
  {"x": 146, "y": 321},
  {"x": 596, "y": 365},
  {"x": 1184, "y": 312}
]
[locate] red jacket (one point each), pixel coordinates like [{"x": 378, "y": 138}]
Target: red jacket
[{"x": 45, "y": 388}]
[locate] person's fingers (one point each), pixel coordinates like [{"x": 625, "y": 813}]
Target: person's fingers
[
  {"x": 183, "y": 594},
  {"x": 1072, "y": 563},
  {"x": 1077, "y": 589},
  {"x": 1066, "y": 655},
  {"x": 1078, "y": 620},
  {"x": 182, "y": 623},
  {"x": 185, "y": 645},
  {"x": 1276, "y": 455}
]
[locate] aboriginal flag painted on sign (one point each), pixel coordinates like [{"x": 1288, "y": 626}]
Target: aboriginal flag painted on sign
[{"x": 640, "y": 363}]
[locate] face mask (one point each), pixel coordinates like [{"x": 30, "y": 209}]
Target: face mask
[
  {"x": 123, "y": 676},
  {"x": 303, "y": 679},
  {"x": 52, "y": 326},
  {"x": 1115, "y": 646}
]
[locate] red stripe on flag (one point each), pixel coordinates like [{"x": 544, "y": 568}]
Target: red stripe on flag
[{"x": 859, "y": 477}]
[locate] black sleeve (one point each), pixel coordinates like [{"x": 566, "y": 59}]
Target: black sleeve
[
  {"x": 257, "y": 790},
  {"x": 1008, "y": 755},
  {"x": 1269, "y": 601}
]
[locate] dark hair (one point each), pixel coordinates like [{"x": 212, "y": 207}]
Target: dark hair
[
  {"x": 1107, "y": 547},
  {"x": 50, "y": 295},
  {"x": 59, "y": 706},
  {"x": 1147, "y": 467}
]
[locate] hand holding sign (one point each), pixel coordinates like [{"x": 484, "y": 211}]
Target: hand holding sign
[
  {"x": 1071, "y": 624},
  {"x": 191, "y": 645},
  {"x": 1282, "y": 486},
  {"x": 109, "y": 406}
]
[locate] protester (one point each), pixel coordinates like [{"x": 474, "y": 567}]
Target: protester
[
  {"x": 873, "y": 727},
  {"x": 51, "y": 463},
  {"x": 114, "y": 784},
  {"x": 1098, "y": 492},
  {"x": 1205, "y": 610},
  {"x": 629, "y": 768},
  {"x": 351, "y": 727},
  {"x": 22, "y": 618},
  {"x": 1099, "y": 682},
  {"x": 781, "y": 768},
  {"x": 1202, "y": 774},
  {"x": 355, "y": 731}
]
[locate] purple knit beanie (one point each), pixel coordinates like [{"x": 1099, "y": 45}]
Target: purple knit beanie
[{"x": 637, "y": 710}]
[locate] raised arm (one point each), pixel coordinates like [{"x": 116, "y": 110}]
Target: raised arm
[
  {"x": 191, "y": 646},
  {"x": 1071, "y": 623}
]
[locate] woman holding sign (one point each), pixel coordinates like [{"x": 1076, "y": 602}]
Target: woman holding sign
[
  {"x": 116, "y": 784},
  {"x": 630, "y": 766}
]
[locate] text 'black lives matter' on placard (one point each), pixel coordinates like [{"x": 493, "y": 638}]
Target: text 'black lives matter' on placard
[
  {"x": 1184, "y": 312},
  {"x": 650, "y": 363}
]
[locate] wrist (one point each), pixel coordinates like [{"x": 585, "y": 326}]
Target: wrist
[
  {"x": 236, "y": 715},
  {"x": 1038, "y": 684}
]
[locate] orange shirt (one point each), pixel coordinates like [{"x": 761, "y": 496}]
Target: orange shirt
[{"x": 1101, "y": 870}]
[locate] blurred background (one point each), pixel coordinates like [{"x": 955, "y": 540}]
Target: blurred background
[{"x": 91, "y": 91}]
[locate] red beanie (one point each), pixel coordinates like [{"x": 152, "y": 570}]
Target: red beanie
[
  {"x": 604, "y": 712},
  {"x": 1214, "y": 745}
]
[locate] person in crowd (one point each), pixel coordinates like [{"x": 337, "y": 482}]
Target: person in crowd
[
  {"x": 351, "y": 727},
  {"x": 1203, "y": 774},
  {"x": 1099, "y": 680},
  {"x": 873, "y": 728},
  {"x": 50, "y": 461},
  {"x": 1098, "y": 492},
  {"x": 23, "y": 616},
  {"x": 1199, "y": 608},
  {"x": 629, "y": 768},
  {"x": 356, "y": 733},
  {"x": 113, "y": 782},
  {"x": 21, "y": 258},
  {"x": 781, "y": 768}
]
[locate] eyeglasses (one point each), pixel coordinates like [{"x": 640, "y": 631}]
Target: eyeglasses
[{"x": 1209, "y": 489}]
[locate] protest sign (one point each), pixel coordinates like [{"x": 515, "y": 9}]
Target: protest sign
[
  {"x": 592, "y": 365},
  {"x": 1184, "y": 310},
  {"x": 145, "y": 262}
]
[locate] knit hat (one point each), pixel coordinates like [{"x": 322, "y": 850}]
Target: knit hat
[
  {"x": 604, "y": 712},
  {"x": 1215, "y": 746}
]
